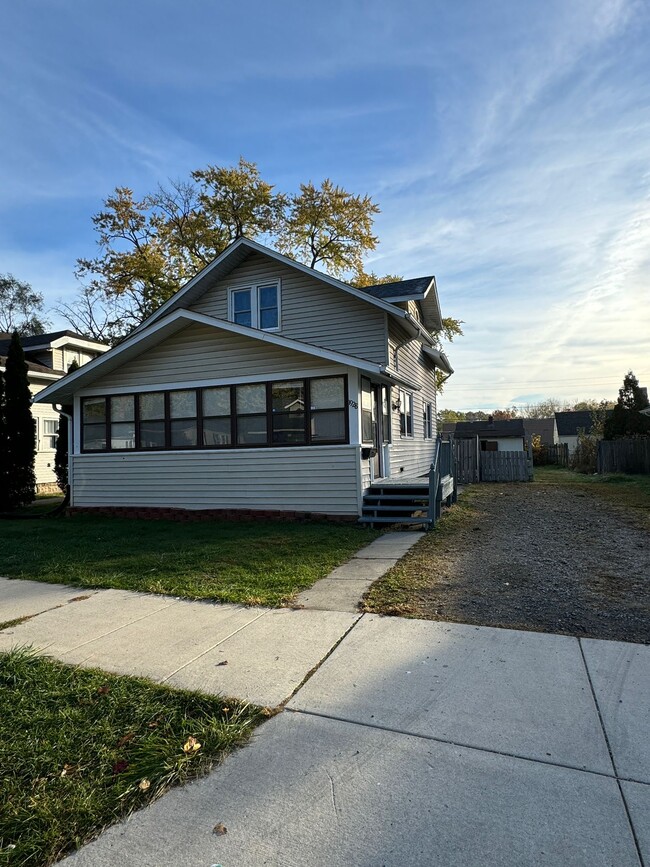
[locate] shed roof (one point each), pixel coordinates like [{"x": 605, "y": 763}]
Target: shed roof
[
  {"x": 500, "y": 428},
  {"x": 569, "y": 423}
]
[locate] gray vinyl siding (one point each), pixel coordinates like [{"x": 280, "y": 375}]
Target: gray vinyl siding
[
  {"x": 315, "y": 479},
  {"x": 413, "y": 454},
  {"x": 200, "y": 352},
  {"x": 312, "y": 311}
]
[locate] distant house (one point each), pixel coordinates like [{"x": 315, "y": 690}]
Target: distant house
[
  {"x": 262, "y": 385},
  {"x": 494, "y": 436},
  {"x": 545, "y": 428},
  {"x": 569, "y": 424},
  {"x": 48, "y": 358}
]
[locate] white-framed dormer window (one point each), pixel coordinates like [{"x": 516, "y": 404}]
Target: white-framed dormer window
[
  {"x": 256, "y": 306},
  {"x": 405, "y": 413}
]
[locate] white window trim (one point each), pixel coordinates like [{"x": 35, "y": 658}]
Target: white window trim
[
  {"x": 255, "y": 307},
  {"x": 402, "y": 393},
  {"x": 47, "y": 437}
]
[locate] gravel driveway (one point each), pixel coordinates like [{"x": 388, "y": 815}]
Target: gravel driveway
[{"x": 529, "y": 556}]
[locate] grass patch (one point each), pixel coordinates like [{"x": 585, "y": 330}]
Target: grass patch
[
  {"x": 630, "y": 492},
  {"x": 248, "y": 562},
  {"x": 396, "y": 592},
  {"x": 81, "y": 749}
]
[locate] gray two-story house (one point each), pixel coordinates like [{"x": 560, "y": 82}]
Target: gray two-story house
[{"x": 261, "y": 385}]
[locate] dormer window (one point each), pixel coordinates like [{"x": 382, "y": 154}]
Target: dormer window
[{"x": 256, "y": 306}]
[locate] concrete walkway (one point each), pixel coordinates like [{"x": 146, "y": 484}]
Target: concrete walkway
[{"x": 412, "y": 742}]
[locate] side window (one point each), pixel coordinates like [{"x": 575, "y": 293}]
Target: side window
[
  {"x": 405, "y": 414},
  {"x": 268, "y": 313},
  {"x": 427, "y": 418},
  {"x": 366, "y": 411},
  {"x": 50, "y": 432}
]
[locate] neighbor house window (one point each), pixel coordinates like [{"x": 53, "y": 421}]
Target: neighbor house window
[
  {"x": 256, "y": 306},
  {"x": 405, "y": 414},
  {"x": 427, "y": 418},
  {"x": 281, "y": 413},
  {"x": 50, "y": 432}
]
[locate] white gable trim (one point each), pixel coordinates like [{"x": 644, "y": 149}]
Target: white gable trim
[
  {"x": 178, "y": 297},
  {"x": 173, "y": 322}
]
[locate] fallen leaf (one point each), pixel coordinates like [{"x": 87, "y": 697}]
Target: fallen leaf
[
  {"x": 125, "y": 739},
  {"x": 220, "y": 829},
  {"x": 120, "y": 767},
  {"x": 69, "y": 769},
  {"x": 103, "y": 690},
  {"x": 143, "y": 785},
  {"x": 223, "y": 662},
  {"x": 191, "y": 745}
]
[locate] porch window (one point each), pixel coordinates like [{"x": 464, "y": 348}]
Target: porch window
[
  {"x": 217, "y": 419},
  {"x": 278, "y": 413},
  {"x": 367, "y": 420},
  {"x": 405, "y": 414},
  {"x": 328, "y": 411},
  {"x": 183, "y": 418},
  {"x": 151, "y": 416},
  {"x": 256, "y": 306},
  {"x": 251, "y": 414},
  {"x": 288, "y": 412},
  {"x": 385, "y": 413}
]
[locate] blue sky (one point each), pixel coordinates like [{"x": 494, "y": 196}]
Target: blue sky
[{"x": 507, "y": 144}]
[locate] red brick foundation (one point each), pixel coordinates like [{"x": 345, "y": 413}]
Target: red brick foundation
[{"x": 152, "y": 513}]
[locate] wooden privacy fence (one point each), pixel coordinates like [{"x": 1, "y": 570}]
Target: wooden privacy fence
[
  {"x": 624, "y": 456},
  {"x": 474, "y": 465},
  {"x": 506, "y": 467},
  {"x": 556, "y": 454}
]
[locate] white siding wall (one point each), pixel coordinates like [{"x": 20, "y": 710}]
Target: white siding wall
[
  {"x": 506, "y": 444},
  {"x": 44, "y": 462},
  {"x": 411, "y": 456},
  {"x": 311, "y": 311},
  {"x": 199, "y": 353},
  {"x": 319, "y": 479},
  {"x": 571, "y": 441}
]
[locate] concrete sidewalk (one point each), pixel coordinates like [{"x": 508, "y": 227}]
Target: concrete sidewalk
[{"x": 422, "y": 743}]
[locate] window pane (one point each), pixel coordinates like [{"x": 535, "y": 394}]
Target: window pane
[
  {"x": 216, "y": 432},
  {"x": 288, "y": 396},
  {"x": 94, "y": 436},
  {"x": 367, "y": 432},
  {"x": 327, "y": 393},
  {"x": 183, "y": 433},
  {"x": 51, "y": 425},
  {"x": 94, "y": 409},
  {"x": 251, "y": 429},
  {"x": 152, "y": 406},
  {"x": 269, "y": 318},
  {"x": 326, "y": 426},
  {"x": 366, "y": 395},
  {"x": 251, "y": 398},
  {"x": 122, "y": 408},
  {"x": 244, "y": 319},
  {"x": 152, "y": 434},
  {"x": 289, "y": 427},
  {"x": 241, "y": 301},
  {"x": 123, "y": 435},
  {"x": 385, "y": 414},
  {"x": 268, "y": 296},
  {"x": 182, "y": 404},
  {"x": 216, "y": 401}
]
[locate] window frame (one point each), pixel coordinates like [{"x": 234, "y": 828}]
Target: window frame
[
  {"x": 254, "y": 289},
  {"x": 427, "y": 419},
  {"x": 200, "y": 446}
]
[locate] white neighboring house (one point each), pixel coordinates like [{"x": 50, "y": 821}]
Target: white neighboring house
[
  {"x": 48, "y": 358},
  {"x": 494, "y": 436}
]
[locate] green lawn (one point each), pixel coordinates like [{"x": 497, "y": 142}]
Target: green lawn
[
  {"x": 630, "y": 492},
  {"x": 82, "y": 749},
  {"x": 249, "y": 562}
]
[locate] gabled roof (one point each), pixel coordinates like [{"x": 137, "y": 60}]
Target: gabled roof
[
  {"x": 501, "y": 428},
  {"x": 542, "y": 427},
  {"x": 139, "y": 341},
  {"x": 43, "y": 341},
  {"x": 36, "y": 369},
  {"x": 569, "y": 423},
  {"x": 420, "y": 289},
  {"x": 237, "y": 252}
]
